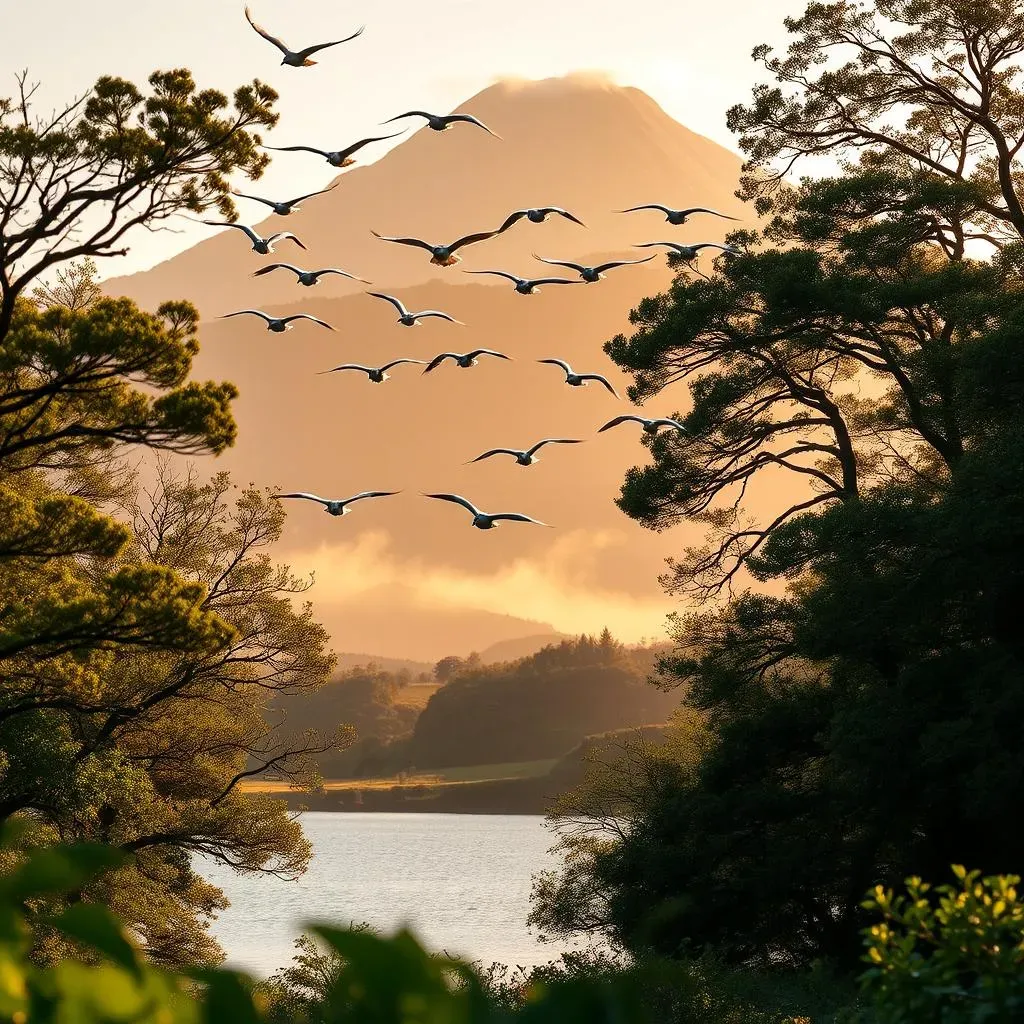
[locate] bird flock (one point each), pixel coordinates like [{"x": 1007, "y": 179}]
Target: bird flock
[{"x": 446, "y": 255}]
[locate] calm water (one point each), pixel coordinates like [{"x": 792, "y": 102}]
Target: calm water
[{"x": 461, "y": 882}]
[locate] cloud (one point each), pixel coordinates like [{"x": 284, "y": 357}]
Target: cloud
[{"x": 560, "y": 590}]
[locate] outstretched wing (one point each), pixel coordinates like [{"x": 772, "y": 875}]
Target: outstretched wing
[
  {"x": 458, "y": 499},
  {"x": 438, "y": 360},
  {"x": 304, "y": 494},
  {"x": 493, "y": 451},
  {"x": 477, "y": 236},
  {"x": 564, "y": 213},
  {"x": 317, "y": 47},
  {"x": 258, "y": 199},
  {"x": 439, "y": 314},
  {"x": 281, "y": 236},
  {"x": 671, "y": 245},
  {"x": 557, "y": 362},
  {"x": 418, "y": 242},
  {"x": 356, "y": 146},
  {"x": 620, "y": 263},
  {"x": 342, "y": 273},
  {"x": 648, "y": 206},
  {"x": 397, "y": 303},
  {"x": 538, "y": 281},
  {"x": 310, "y": 195},
  {"x": 369, "y": 494},
  {"x": 349, "y": 366},
  {"x": 241, "y": 227},
  {"x": 270, "y": 267},
  {"x": 562, "y": 263},
  {"x": 667, "y": 422},
  {"x": 511, "y": 219},
  {"x": 298, "y": 149},
  {"x": 553, "y": 440},
  {"x": 498, "y": 273},
  {"x": 396, "y": 362},
  {"x": 470, "y": 119},
  {"x": 627, "y": 418},
  {"x": 408, "y": 113},
  {"x": 600, "y": 380},
  {"x": 242, "y": 312},
  {"x": 306, "y": 316},
  {"x": 517, "y": 517},
  {"x": 487, "y": 352},
  {"x": 704, "y": 209},
  {"x": 266, "y": 35}
]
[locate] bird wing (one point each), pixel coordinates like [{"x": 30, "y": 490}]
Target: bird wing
[
  {"x": 310, "y": 195},
  {"x": 266, "y": 35},
  {"x": 498, "y": 273},
  {"x": 396, "y": 362},
  {"x": 511, "y": 219},
  {"x": 620, "y": 263},
  {"x": 557, "y": 362},
  {"x": 404, "y": 241},
  {"x": 477, "y": 236},
  {"x": 258, "y": 199},
  {"x": 280, "y": 236},
  {"x": 538, "y": 281},
  {"x": 356, "y": 146},
  {"x": 470, "y": 119},
  {"x": 487, "y": 352},
  {"x": 671, "y": 245},
  {"x": 408, "y": 113},
  {"x": 349, "y": 366},
  {"x": 437, "y": 313},
  {"x": 298, "y": 149},
  {"x": 255, "y": 312},
  {"x": 304, "y": 494},
  {"x": 562, "y": 263},
  {"x": 704, "y": 209},
  {"x": 397, "y": 303},
  {"x": 438, "y": 360},
  {"x": 369, "y": 494},
  {"x": 564, "y": 213},
  {"x": 668, "y": 422},
  {"x": 306, "y": 316},
  {"x": 517, "y": 517},
  {"x": 648, "y": 206},
  {"x": 342, "y": 273},
  {"x": 553, "y": 440},
  {"x": 241, "y": 227},
  {"x": 276, "y": 266},
  {"x": 458, "y": 499},
  {"x": 493, "y": 451},
  {"x": 602, "y": 380},
  {"x": 622, "y": 419},
  {"x": 317, "y": 47}
]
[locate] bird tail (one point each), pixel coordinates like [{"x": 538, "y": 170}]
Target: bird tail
[{"x": 307, "y": 63}]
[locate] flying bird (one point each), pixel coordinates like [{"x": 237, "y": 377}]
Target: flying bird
[
  {"x": 465, "y": 360},
  {"x": 524, "y": 285},
  {"x": 689, "y": 252},
  {"x": 264, "y": 246},
  {"x": 650, "y": 426},
  {"x": 678, "y": 216},
  {"x": 406, "y": 317},
  {"x": 338, "y": 508},
  {"x": 440, "y": 255},
  {"x": 307, "y": 277},
  {"x": 277, "y": 324},
  {"x": 592, "y": 274},
  {"x": 537, "y": 215},
  {"x": 291, "y": 206},
  {"x": 485, "y": 520},
  {"x": 298, "y": 58},
  {"x": 335, "y": 157},
  {"x": 525, "y": 457},
  {"x": 442, "y": 122},
  {"x": 378, "y": 374},
  {"x": 579, "y": 379}
]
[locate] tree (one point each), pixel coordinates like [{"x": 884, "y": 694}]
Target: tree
[{"x": 856, "y": 400}]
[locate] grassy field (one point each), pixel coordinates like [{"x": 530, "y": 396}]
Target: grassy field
[
  {"x": 442, "y": 777},
  {"x": 416, "y": 695}
]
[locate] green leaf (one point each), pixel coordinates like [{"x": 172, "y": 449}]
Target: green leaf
[
  {"x": 59, "y": 869},
  {"x": 228, "y": 998},
  {"x": 97, "y": 928}
]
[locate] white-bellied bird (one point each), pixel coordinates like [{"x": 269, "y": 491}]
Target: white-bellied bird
[
  {"x": 337, "y": 507},
  {"x": 298, "y": 58},
  {"x": 463, "y": 359},
  {"x": 277, "y": 324},
  {"x": 525, "y": 285},
  {"x": 308, "y": 277},
  {"x": 442, "y": 122},
  {"x": 485, "y": 520},
  {"x": 591, "y": 274},
  {"x": 264, "y": 246},
  {"x": 690, "y": 252},
  {"x": 440, "y": 255},
  {"x": 377, "y": 374},
  {"x": 290, "y": 205},
  {"x": 678, "y": 217},
  {"x": 407, "y": 318},
  {"x": 577, "y": 380},
  {"x": 525, "y": 456},
  {"x": 650, "y": 426},
  {"x": 539, "y": 214},
  {"x": 335, "y": 157}
]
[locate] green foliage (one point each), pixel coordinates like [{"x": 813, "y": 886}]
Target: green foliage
[{"x": 954, "y": 959}]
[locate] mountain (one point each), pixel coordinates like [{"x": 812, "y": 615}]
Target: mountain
[
  {"x": 404, "y": 574},
  {"x": 577, "y": 142},
  {"x": 521, "y": 647}
]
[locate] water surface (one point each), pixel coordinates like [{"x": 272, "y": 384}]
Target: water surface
[{"x": 461, "y": 882}]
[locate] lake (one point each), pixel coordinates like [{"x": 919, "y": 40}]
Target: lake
[{"x": 461, "y": 882}]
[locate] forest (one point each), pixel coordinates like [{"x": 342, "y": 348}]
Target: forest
[{"x": 827, "y": 830}]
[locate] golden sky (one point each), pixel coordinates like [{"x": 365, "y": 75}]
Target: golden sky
[{"x": 693, "y": 58}]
